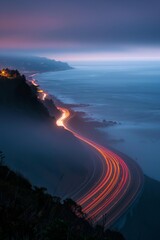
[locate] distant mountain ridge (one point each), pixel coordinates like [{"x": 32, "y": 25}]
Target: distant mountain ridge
[{"x": 32, "y": 64}]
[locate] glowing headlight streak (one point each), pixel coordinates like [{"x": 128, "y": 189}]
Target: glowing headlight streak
[
  {"x": 44, "y": 96},
  {"x": 112, "y": 187},
  {"x": 34, "y": 83}
]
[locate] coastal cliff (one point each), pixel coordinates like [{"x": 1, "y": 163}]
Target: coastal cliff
[{"x": 45, "y": 155}]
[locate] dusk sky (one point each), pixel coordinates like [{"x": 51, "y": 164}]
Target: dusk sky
[{"x": 86, "y": 29}]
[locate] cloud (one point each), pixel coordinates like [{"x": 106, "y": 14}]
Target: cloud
[{"x": 69, "y": 24}]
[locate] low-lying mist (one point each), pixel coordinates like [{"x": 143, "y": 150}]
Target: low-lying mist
[{"x": 45, "y": 154}]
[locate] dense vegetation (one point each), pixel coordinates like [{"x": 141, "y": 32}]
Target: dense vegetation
[{"x": 29, "y": 212}]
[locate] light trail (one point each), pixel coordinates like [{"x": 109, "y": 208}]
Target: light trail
[
  {"x": 44, "y": 96},
  {"x": 115, "y": 190},
  {"x": 34, "y": 83},
  {"x": 40, "y": 91}
]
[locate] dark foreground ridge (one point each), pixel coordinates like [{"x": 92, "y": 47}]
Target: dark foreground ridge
[{"x": 29, "y": 212}]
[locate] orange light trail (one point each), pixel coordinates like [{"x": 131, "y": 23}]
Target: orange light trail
[
  {"x": 115, "y": 190},
  {"x": 40, "y": 91}
]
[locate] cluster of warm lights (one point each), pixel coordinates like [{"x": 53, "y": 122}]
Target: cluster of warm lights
[{"x": 3, "y": 73}]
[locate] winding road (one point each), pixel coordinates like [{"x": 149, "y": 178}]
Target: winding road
[
  {"x": 119, "y": 185},
  {"x": 120, "y": 182}
]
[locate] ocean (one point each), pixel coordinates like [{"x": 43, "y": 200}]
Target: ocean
[{"x": 125, "y": 92}]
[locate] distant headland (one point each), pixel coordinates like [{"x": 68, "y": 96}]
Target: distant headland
[{"x": 32, "y": 64}]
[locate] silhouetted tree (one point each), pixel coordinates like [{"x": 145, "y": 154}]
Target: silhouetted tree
[{"x": 74, "y": 207}]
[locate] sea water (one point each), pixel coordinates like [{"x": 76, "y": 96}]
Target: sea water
[{"x": 125, "y": 92}]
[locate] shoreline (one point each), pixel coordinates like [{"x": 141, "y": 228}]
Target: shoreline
[
  {"x": 94, "y": 134},
  {"x": 137, "y": 134}
]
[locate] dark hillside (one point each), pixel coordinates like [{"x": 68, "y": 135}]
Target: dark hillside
[
  {"x": 29, "y": 212},
  {"x": 17, "y": 95}
]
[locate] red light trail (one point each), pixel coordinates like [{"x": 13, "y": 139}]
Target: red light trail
[{"x": 116, "y": 189}]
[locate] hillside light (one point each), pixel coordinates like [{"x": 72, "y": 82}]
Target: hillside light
[
  {"x": 3, "y": 72},
  {"x": 40, "y": 91}
]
